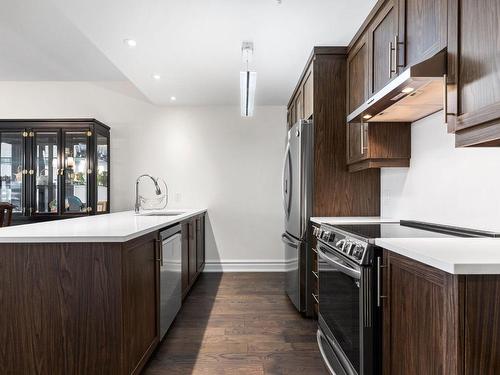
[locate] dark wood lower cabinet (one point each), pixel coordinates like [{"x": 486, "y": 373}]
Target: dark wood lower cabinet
[
  {"x": 140, "y": 301},
  {"x": 81, "y": 308},
  {"x": 438, "y": 323},
  {"x": 193, "y": 251}
]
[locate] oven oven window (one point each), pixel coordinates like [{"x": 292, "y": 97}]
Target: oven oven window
[{"x": 339, "y": 307}]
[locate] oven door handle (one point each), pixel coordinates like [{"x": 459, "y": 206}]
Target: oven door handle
[
  {"x": 345, "y": 269},
  {"x": 320, "y": 338}
]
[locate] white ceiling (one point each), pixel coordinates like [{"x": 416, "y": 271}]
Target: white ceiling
[
  {"x": 193, "y": 44},
  {"x": 37, "y": 42}
]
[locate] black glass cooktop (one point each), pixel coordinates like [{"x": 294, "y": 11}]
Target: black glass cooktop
[{"x": 393, "y": 230}]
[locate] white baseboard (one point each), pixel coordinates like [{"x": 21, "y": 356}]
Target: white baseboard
[{"x": 245, "y": 266}]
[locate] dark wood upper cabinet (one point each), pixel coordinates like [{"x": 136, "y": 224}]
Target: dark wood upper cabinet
[
  {"x": 299, "y": 106},
  {"x": 474, "y": 72},
  {"x": 308, "y": 94},
  {"x": 422, "y": 29},
  {"x": 356, "y": 142},
  {"x": 357, "y": 74},
  {"x": 377, "y": 145},
  {"x": 382, "y": 34}
]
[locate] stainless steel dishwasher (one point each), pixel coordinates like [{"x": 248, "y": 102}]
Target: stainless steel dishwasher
[{"x": 170, "y": 276}]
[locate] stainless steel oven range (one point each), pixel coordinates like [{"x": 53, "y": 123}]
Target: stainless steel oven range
[
  {"x": 350, "y": 265},
  {"x": 348, "y": 320}
]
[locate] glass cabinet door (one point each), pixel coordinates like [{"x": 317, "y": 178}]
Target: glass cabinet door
[
  {"x": 12, "y": 168},
  {"x": 76, "y": 167},
  {"x": 46, "y": 165},
  {"x": 102, "y": 158}
]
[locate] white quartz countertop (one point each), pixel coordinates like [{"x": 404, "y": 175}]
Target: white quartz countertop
[
  {"x": 114, "y": 227},
  {"x": 352, "y": 220},
  {"x": 453, "y": 255}
]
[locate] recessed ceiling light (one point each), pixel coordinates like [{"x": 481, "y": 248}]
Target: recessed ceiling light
[
  {"x": 130, "y": 42},
  {"x": 173, "y": 98},
  {"x": 407, "y": 90},
  {"x": 156, "y": 76},
  {"x": 367, "y": 117}
]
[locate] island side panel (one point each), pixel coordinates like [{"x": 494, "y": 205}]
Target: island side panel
[
  {"x": 482, "y": 324},
  {"x": 61, "y": 308}
]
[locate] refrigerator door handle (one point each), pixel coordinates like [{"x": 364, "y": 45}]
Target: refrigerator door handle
[
  {"x": 286, "y": 185},
  {"x": 288, "y": 241}
]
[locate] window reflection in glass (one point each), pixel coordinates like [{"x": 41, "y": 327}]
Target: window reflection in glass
[
  {"x": 75, "y": 184},
  {"x": 46, "y": 167},
  {"x": 11, "y": 169},
  {"x": 102, "y": 173}
]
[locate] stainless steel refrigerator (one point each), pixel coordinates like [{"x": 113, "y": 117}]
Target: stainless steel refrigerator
[{"x": 297, "y": 204}]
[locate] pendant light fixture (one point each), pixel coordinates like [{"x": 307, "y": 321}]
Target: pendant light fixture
[{"x": 247, "y": 81}]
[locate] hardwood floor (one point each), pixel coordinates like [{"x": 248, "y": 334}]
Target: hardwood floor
[{"x": 238, "y": 323}]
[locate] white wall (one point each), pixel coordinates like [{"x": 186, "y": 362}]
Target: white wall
[
  {"x": 444, "y": 184},
  {"x": 210, "y": 157}
]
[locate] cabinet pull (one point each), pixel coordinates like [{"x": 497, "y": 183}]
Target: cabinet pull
[
  {"x": 315, "y": 296},
  {"x": 391, "y": 48},
  {"x": 362, "y": 139},
  {"x": 445, "y": 100},
  {"x": 379, "y": 282},
  {"x": 315, "y": 274},
  {"x": 31, "y": 171}
]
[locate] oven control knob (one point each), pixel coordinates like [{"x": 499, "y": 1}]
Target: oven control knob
[
  {"x": 340, "y": 244},
  {"x": 358, "y": 252},
  {"x": 326, "y": 236},
  {"x": 315, "y": 231},
  {"x": 348, "y": 247}
]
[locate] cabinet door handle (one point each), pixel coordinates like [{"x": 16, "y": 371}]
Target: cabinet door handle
[
  {"x": 315, "y": 296},
  {"x": 390, "y": 59},
  {"x": 379, "y": 282},
  {"x": 362, "y": 139}
]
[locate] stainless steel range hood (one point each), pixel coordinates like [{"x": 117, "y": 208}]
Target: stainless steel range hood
[{"x": 414, "y": 94}]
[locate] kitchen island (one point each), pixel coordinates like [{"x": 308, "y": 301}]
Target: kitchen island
[{"x": 81, "y": 296}]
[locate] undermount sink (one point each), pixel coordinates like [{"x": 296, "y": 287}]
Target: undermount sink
[{"x": 161, "y": 213}]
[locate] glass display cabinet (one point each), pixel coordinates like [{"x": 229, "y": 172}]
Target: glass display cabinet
[{"x": 52, "y": 169}]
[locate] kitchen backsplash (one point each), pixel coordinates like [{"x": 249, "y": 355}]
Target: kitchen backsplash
[{"x": 444, "y": 184}]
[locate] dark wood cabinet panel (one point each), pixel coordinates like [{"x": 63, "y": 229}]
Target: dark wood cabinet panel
[
  {"x": 356, "y": 142},
  {"x": 354, "y": 194},
  {"x": 414, "y": 331},
  {"x": 299, "y": 106},
  {"x": 185, "y": 258},
  {"x": 192, "y": 251},
  {"x": 357, "y": 74},
  {"x": 61, "y": 309},
  {"x": 482, "y": 325},
  {"x": 200, "y": 243},
  {"x": 381, "y": 37},
  {"x": 438, "y": 323},
  {"x": 423, "y": 29},
  {"x": 474, "y": 72},
  {"x": 141, "y": 290},
  {"x": 293, "y": 115},
  {"x": 308, "y": 93},
  {"x": 377, "y": 145}
]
